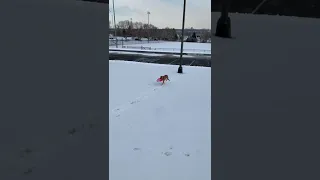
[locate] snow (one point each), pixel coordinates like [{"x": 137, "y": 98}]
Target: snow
[
  {"x": 188, "y": 47},
  {"x": 137, "y": 53},
  {"x": 149, "y": 54},
  {"x": 159, "y": 132}
]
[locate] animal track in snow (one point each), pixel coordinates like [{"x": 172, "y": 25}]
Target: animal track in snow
[
  {"x": 129, "y": 104},
  {"x": 133, "y": 102},
  {"x": 145, "y": 95},
  {"x": 167, "y": 153}
]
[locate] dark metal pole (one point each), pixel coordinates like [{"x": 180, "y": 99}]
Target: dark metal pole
[
  {"x": 115, "y": 26},
  {"x": 182, "y": 34},
  {"x": 111, "y": 16},
  {"x": 148, "y": 27}
]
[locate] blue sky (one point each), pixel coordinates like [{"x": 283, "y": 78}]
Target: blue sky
[{"x": 164, "y": 13}]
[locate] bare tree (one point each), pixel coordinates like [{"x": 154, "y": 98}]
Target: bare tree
[
  {"x": 124, "y": 24},
  {"x": 140, "y": 30}
]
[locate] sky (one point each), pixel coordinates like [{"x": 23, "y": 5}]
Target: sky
[{"x": 164, "y": 13}]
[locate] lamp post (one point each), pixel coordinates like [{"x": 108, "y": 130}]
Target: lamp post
[
  {"x": 111, "y": 18},
  {"x": 131, "y": 27},
  {"x": 148, "y": 12},
  {"x": 182, "y": 34},
  {"x": 115, "y": 26}
]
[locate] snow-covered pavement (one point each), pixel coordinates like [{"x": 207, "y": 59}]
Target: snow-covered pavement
[
  {"x": 188, "y": 47},
  {"x": 159, "y": 132}
]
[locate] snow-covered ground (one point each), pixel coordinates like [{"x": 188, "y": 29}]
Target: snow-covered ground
[
  {"x": 159, "y": 132},
  {"x": 149, "y": 54},
  {"x": 188, "y": 47},
  {"x": 113, "y": 38}
]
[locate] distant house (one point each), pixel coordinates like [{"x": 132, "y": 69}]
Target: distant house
[
  {"x": 198, "y": 38},
  {"x": 184, "y": 38}
]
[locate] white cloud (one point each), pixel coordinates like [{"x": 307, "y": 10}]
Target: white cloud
[{"x": 164, "y": 13}]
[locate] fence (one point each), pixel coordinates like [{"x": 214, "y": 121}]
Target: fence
[
  {"x": 122, "y": 42},
  {"x": 168, "y": 49}
]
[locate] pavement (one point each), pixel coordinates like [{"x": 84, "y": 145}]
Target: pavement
[{"x": 164, "y": 59}]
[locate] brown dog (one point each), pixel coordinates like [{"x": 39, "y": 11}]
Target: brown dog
[{"x": 164, "y": 78}]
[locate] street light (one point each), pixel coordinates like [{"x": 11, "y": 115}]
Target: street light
[
  {"x": 131, "y": 27},
  {"x": 182, "y": 34},
  {"x": 115, "y": 26},
  {"x": 111, "y": 12},
  {"x": 148, "y": 12}
]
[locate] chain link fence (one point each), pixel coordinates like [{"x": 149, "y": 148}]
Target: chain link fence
[
  {"x": 167, "y": 49},
  {"x": 123, "y": 42}
]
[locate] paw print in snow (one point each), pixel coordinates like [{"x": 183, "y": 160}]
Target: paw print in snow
[
  {"x": 116, "y": 110},
  {"x": 133, "y": 102},
  {"x": 167, "y": 153}
]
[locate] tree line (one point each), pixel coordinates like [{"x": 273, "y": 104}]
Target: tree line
[{"x": 140, "y": 30}]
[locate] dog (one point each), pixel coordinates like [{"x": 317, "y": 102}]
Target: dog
[{"x": 164, "y": 78}]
